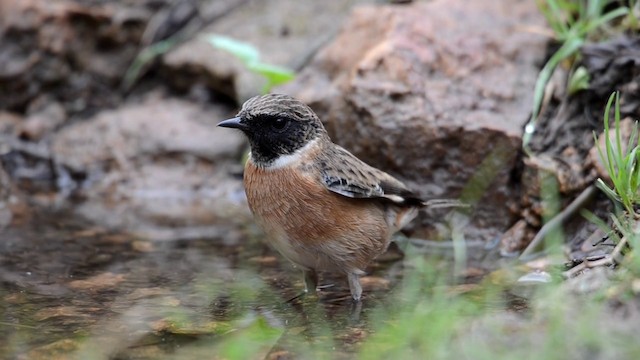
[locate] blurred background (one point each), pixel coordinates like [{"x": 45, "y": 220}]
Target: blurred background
[{"x": 124, "y": 229}]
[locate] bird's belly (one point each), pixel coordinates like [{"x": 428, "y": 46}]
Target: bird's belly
[{"x": 311, "y": 226}]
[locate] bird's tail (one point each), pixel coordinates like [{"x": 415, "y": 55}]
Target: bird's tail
[{"x": 444, "y": 203}]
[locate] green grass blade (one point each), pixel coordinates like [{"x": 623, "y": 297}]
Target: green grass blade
[
  {"x": 592, "y": 9},
  {"x": 611, "y": 194},
  {"x": 145, "y": 57},
  {"x": 629, "y": 162},
  {"x": 619, "y": 150},
  {"x": 553, "y": 14},
  {"x": 634, "y": 135},
  {"x": 594, "y": 219},
  {"x": 607, "y": 138},
  {"x": 635, "y": 172},
  {"x": 597, "y": 22}
]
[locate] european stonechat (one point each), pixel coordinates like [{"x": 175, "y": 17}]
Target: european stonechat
[{"x": 319, "y": 205}]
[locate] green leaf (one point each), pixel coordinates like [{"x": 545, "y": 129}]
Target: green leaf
[
  {"x": 242, "y": 50},
  {"x": 579, "y": 80},
  {"x": 250, "y": 57},
  {"x": 276, "y": 75}
]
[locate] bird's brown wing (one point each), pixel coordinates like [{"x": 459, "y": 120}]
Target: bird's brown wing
[{"x": 345, "y": 174}]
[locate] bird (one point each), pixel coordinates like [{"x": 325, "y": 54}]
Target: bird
[{"x": 319, "y": 205}]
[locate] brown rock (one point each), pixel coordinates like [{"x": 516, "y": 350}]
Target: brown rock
[
  {"x": 103, "y": 281},
  {"x": 9, "y": 122},
  {"x": 436, "y": 93},
  {"x": 374, "y": 283},
  {"x": 154, "y": 127},
  {"x": 185, "y": 198},
  {"x": 13, "y": 208},
  {"x": 66, "y": 48},
  {"x": 57, "y": 350},
  {"x": 158, "y": 163},
  {"x": 515, "y": 239},
  {"x": 6, "y": 215},
  {"x": 280, "y": 33},
  {"x": 145, "y": 293},
  {"x": 60, "y": 312},
  {"x": 43, "y": 121}
]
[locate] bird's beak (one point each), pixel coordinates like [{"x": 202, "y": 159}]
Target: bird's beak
[{"x": 234, "y": 123}]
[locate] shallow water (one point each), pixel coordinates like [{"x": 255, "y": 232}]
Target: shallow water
[{"x": 71, "y": 288}]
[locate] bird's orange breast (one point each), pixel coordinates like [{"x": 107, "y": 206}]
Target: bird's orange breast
[{"x": 304, "y": 219}]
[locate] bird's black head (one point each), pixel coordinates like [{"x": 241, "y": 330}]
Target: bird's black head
[{"x": 276, "y": 125}]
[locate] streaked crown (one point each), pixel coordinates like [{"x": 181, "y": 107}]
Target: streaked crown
[{"x": 276, "y": 125}]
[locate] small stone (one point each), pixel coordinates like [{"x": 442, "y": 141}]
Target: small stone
[
  {"x": 280, "y": 355},
  {"x": 143, "y": 246},
  {"x": 9, "y": 122},
  {"x": 43, "y": 122},
  {"x": 264, "y": 260},
  {"x": 60, "y": 349},
  {"x": 535, "y": 277},
  {"x": 515, "y": 239},
  {"x": 15, "y": 298},
  {"x": 374, "y": 283},
  {"x": 144, "y": 293},
  {"x": 59, "y": 311},
  {"x": 99, "y": 282}
]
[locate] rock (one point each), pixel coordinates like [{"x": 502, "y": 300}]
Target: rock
[
  {"x": 158, "y": 163},
  {"x": 66, "y": 48},
  {"x": 374, "y": 283},
  {"x": 43, "y": 121},
  {"x": 60, "y": 312},
  {"x": 435, "y": 93},
  {"x": 6, "y": 191},
  {"x": 56, "y": 350},
  {"x": 171, "y": 194},
  {"x": 104, "y": 281},
  {"x": 280, "y": 33},
  {"x": 9, "y": 123},
  {"x": 614, "y": 65},
  {"x": 515, "y": 239},
  {"x": 591, "y": 280},
  {"x": 14, "y": 207},
  {"x": 154, "y": 127}
]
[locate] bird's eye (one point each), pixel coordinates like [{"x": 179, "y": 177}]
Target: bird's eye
[{"x": 280, "y": 124}]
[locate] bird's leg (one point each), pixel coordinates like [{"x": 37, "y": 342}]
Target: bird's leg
[
  {"x": 310, "y": 284},
  {"x": 310, "y": 281},
  {"x": 354, "y": 286}
]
